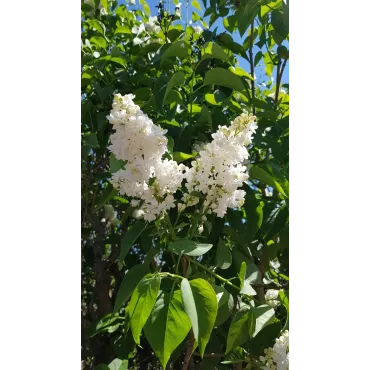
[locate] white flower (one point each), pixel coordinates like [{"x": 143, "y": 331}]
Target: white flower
[
  {"x": 271, "y": 297},
  {"x": 277, "y": 358},
  {"x": 198, "y": 30},
  {"x": 131, "y": 2},
  {"x": 200, "y": 229},
  {"x": 151, "y": 25},
  {"x": 218, "y": 172},
  {"x": 138, "y": 214},
  {"x": 146, "y": 176},
  {"x": 138, "y": 30},
  {"x": 178, "y": 10},
  {"x": 103, "y": 11}
]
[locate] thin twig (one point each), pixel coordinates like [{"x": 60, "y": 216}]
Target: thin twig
[
  {"x": 188, "y": 350},
  {"x": 252, "y": 64}
]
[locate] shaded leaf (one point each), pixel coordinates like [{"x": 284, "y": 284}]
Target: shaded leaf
[
  {"x": 128, "y": 284},
  {"x": 130, "y": 237},
  {"x": 189, "y": 247},
  {"x": 223, "y": 255}
]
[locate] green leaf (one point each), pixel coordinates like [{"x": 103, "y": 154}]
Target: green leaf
[
  {"x": 216, "y": 98},
  {"x": 142, "y": 302},
  {"x": 245, "y": 287},
  {"x": 102, "y": 367},
  {"x": 177, "y": 49},
  {"x": 143, "y": 93},
  {"x": 264, "y": 314},
  {"x": 236, "y": 356},
  {"x": 123, "y": 29},
  {"x": 130, "y": 237},
  {"x": 109, "y": 323},
  {"x": 189, "y": 247},
  {"x": 223, "y": 77},
  {"x": 265, "y": 9},
  {"x": 91, "y": 140},
  {"x": 195, "y": 4},
  {"x": 108, "y": 193},
  {"x": 176, "y": 80},
  {"x": 181, "y": 157},
  {"x": 280, "y": 22},
  {"x": 285, "y": 302},
  {"x": 99, "y": 26},
  {"x": 223, "y": 255},
  {"x": 128, "y": 284},
  {"x": 264, "y": 339},
  {"x": 99, "y": 41},
  {"x": 118, "y": 364},
  {"x": 269, "y": 64},
  {"x": 115, "y": 164},
  {"x": 241, "y": 72},
  {"x": 251, "y": 323},
  {"x": 239, "y": 328},
  {"x": 213, "y": 50},
  {"x": 254, "y": 215},
  {"x": 258, "y": 57},
  {"x": 167, "y": 326},
  {"x": 146, "y": 8},
  {"x": 200, "y": 303},
  {"x": 258, "y": 173},
  {"x": 104, "y": 4},
  {"x": 225, "y": 304},
  {"x": 245, "y": 16}
]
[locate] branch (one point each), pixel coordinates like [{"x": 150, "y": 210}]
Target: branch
[
  {"x": 279, "y": 75},
  {"x": 209, "y": 355},
  {"x": 188, "y": 351},
  {"x": 252, "y": 64}
]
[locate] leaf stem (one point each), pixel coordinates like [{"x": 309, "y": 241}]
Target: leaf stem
[
  {"x": 221, "y": 278},
  {"x": 172, "y": 231},
  {"x": 169, "y": 275}
]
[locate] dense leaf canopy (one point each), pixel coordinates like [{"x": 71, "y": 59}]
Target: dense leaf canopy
[{"x": 181, "y": 292}]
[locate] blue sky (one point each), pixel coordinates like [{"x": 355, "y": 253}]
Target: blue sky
[{"x": 259, "y": 70}]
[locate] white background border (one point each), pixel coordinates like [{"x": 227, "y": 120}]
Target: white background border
[{"x": 40, "y": 184}]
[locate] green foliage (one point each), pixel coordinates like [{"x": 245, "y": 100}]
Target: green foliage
[
  {"x": 147, "y": 285},
  {"x": 168, "y": 325},
  {"x": 200, "y": 304}
]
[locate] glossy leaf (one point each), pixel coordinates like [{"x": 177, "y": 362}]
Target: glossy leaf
[
  {"x": 239, "y": 329},
  {"x": 189, "y": 247},
  {"x": 213, "y": 50},
  {"x": 258, "y": 173},
  {"x": 225, "y": 304},
  {"x": 200, "y": 304},
  {"x": 142, "y": 302},
  {"x": 167, "y": 326},
  {"x": 128, "y": 284},
  {"x": 181, "y": 157},
  {"x": 223, "y": 77},
  {"x": 264, "y": 314},
  {"x": 176, "y": 80},
  {"x": 245, "y": 287}
]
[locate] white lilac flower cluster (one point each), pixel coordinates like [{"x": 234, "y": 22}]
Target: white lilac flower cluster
[
  {"x": 150, "y": 180},
  {"x": 277, "y": 358},
  {"x": 271, "y": 297},
  {"x": 218, "y": 172}
]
